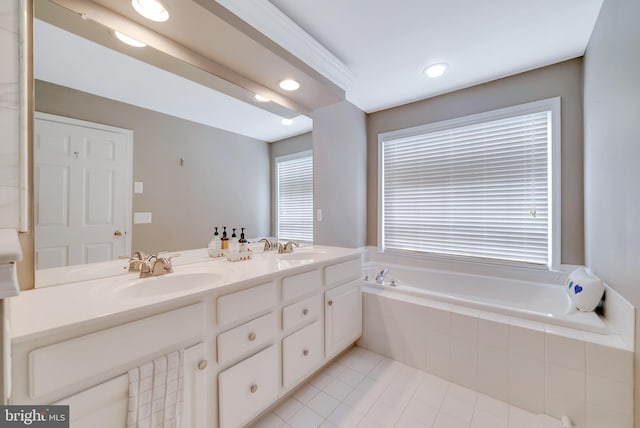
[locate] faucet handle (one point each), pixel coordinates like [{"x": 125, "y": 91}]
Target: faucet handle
[
  {"x": 267, "y": 244},
  {"x": 291, "y": 243},
  {"x": 145, "y": 269},
  {"x": 135, "y": 260}
]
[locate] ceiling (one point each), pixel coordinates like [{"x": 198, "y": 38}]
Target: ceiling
[
  {"x": 372, "y": 53},
  {"x": 387, "y": 44}
]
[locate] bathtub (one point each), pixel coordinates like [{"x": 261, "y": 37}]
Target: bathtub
[{"x": 546, "y": 303}]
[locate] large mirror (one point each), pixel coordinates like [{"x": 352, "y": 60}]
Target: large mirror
[{"x": 135, "y": 150}]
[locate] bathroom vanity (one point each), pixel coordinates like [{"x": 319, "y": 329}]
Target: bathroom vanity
[{"x": 251, "y": 331}]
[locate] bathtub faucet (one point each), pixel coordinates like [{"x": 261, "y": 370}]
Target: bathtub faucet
[{"x": 381, "y": 275}]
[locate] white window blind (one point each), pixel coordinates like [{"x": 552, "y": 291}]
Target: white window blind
[
  {"x": 479, "y": 190},
  {"x": 295, "y": 199}
]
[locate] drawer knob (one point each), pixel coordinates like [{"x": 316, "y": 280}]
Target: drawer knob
[
  {"x": 253, "y": 388},
  {"x": 252, "y": 336},
  {"x": 330, "y": 302},
  {"x": 203, "y": 364},
  {"x": 305, "y": 312},
  {"x": 305, "y": 352}
]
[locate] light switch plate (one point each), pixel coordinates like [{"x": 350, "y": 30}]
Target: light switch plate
[
  {"x": 141, "y": 218},
  {"x": 137, "y": 187},
  {"x": 319, "y": 214}
]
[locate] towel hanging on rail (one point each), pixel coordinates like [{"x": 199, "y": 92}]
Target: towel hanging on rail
[{"x": 156, "y": 391}]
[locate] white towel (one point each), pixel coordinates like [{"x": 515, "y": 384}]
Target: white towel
[{"x": 156, "y": 393}]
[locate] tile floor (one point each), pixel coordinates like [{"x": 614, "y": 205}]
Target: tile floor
[{"x": 366, "y": 390}]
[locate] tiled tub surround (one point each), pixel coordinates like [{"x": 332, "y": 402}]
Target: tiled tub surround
[
  {"x": 546, "y": 302},
  {"x": 542, "y": 368}
]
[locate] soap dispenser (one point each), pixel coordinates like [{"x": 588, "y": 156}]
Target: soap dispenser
[
  {"x": 215, "y": 245},
  {"x": 243, "y": 242},
  {"x": 233, "y": 243},
  {"x": 225, "y": 239}
]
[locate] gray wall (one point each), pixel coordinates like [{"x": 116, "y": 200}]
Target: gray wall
[
  {"x": 225, "y": 179},
  {"x": 339, "y": 175},
  {"x": 288, "y": 146},
  {"x": 563, "y": 79},
  {"x": 612, "y": 155}
]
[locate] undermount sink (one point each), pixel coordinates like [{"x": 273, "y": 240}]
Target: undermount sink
[
  {"x": 302, "y": 255},
  {"x": 167, "y": 284}
]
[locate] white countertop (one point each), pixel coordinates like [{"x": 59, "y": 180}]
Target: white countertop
[{"x": 39, "y": 311}]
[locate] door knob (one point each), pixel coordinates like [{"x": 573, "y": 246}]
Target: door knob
[{"x": 117, "y": 233}]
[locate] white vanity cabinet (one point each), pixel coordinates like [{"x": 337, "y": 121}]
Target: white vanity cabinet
[
  {"x": 106, "y": 405},
  {"x": 343, "y": 306},
  {"x": 248, "y": 388},
  {"x": 302, "y": 353},
  {"x": 302, "y": 323},
  {"x": 343, "y": 317},
  {"x": 246, "y": 344},
  {"x": 91, "y": 371},
  {"x": 251, "y": 384}
]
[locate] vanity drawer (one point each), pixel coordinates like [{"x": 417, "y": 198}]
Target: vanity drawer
[
  {"x": 299, "y": 285},
  {"x": 342, "y": 272},
  {"x": 302, "y": 352},
  {"x": 293, "y": 316},
  {"x": 243, "y": 304},
  {"x": 87, "y": 358},
  {"x": 246, "y": 337},
  {"x": 247, "y": 388}
]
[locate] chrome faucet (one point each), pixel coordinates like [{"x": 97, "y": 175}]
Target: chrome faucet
[
  {"x": 287, "y": 248},
  {"x": 381, "y": 275}
]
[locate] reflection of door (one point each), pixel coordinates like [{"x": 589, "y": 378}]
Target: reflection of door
[{"x": 82, "y": 186}]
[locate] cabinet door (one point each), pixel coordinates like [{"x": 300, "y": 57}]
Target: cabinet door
[
  {"x": 343, "y": 317},
  {"x": 301, "y": 354},
  {"x": 102, "y": 406},
  {"x": 194, "y": 413},
  {"x": 248, "y": 388},
  {"x": 106, "y": 405}
]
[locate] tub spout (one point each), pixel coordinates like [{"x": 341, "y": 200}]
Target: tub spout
[{"x": 381, "y": 275}]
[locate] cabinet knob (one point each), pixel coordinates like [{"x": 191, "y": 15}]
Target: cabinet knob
[
  {"x": 330, "y": 302},
  {"x": 203, "y": 364},
  {"x": 252, "y": 336},
  {"x": 305, "y": 352},
  {"x": 253, "y": 388},
  {"x": 305, "y": 312}
]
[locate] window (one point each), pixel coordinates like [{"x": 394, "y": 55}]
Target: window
[
  {"x": 294, "y": 196},
  {"x": 485, "y": 186}
]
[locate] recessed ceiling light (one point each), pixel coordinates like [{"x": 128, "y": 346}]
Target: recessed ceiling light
[
  {"x": 287, "y": 122},
  {"x": 436, "y": 70},
  {"x": 151, "y": 9},
  {"x": 289, "y": 85},
  {"x": 128, "y": 40},
  {"x": 261, "y": 99}
]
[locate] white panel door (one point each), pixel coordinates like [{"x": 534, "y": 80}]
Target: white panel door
[{"x": 82, "y": 192}]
